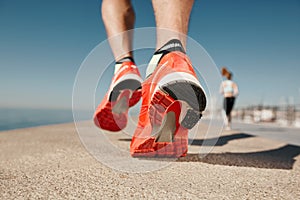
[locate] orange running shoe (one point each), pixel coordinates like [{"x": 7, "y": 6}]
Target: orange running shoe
[
  {"x": 173, "y": 101},
  {"x": 125, "y": 91}
]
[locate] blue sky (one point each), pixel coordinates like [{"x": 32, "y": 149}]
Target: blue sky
[{"x": 43, "y": 43}]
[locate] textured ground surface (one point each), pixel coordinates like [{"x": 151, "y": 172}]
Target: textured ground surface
[{"x": 51, "y": 163}]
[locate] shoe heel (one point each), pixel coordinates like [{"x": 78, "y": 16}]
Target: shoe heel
[
  {"x": 190, "y": 119},
  {"x": 193, "y": 101}
]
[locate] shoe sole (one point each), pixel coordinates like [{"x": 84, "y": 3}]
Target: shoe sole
[
  {"x": 113, "y": 116},
  {"x": 175, "y": 107},
  {"x": 192, "y": 96}
]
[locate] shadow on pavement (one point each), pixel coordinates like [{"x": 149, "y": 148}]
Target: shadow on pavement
[
  {"x": 219, "y": 141},
  {"x": 280, "y": 158},
  {"x": 125, "y": 139}
]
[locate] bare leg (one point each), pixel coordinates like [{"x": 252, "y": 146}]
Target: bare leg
[
  {"x": 229, "y": 122},
  {"x": 173, "y": 16},
  {"x": 118, "y": 16}
]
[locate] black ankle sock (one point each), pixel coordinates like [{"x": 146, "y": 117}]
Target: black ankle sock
[
  {"x": 172, "y": 45},
  {"x": 125, "y": 59}
]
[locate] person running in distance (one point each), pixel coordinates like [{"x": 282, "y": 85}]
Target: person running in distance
[
  {"x": 229, "y": 90},
  {"x": 170, "y": 83}
]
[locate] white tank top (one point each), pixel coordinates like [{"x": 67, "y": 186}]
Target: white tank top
[{"x": 228, "y": 86}]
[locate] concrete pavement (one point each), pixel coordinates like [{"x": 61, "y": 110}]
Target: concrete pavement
[{"x": 50, "y": 162}]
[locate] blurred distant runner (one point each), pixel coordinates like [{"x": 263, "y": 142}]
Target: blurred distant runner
[
  {"x": 173, "y": 99},
  {"x": 229, "y": 90}
]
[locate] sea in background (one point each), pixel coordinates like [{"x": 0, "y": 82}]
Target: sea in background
[{"x": 23, "y": 118}]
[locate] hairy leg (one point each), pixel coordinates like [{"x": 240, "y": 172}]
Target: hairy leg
[
  {"x": 172, "y": 20},
  {"x": 118, "y": 17}
]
